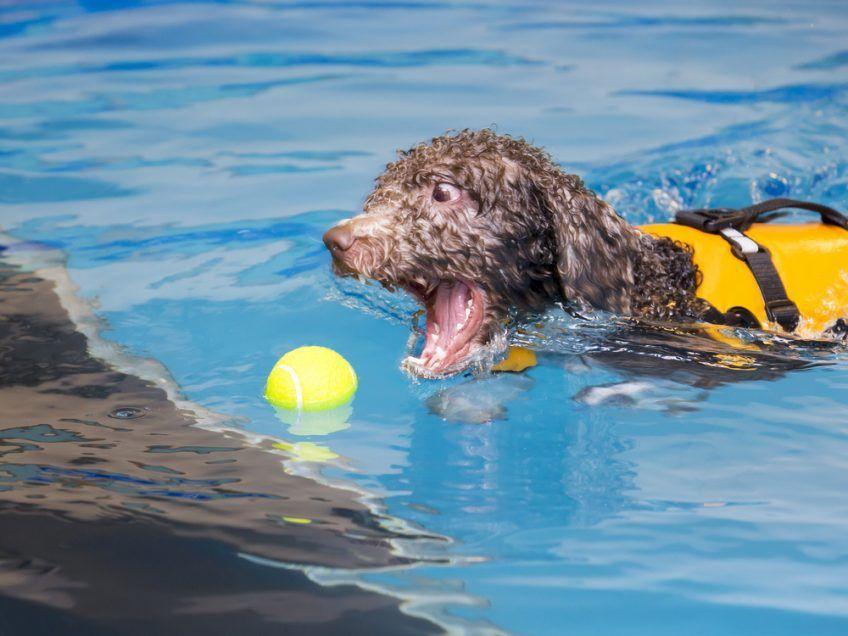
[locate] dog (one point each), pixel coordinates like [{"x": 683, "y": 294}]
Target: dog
[{"x": 482, "y": 228}]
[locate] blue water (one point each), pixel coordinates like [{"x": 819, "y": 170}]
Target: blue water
[{"x": 188, "y": 156}]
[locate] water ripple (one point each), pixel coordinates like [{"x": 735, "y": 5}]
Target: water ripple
[
  {"x": 17, "y": 188},
  {"x": 385, "y": 59},
  {"x": 642, "y": 21},
  {"x": 828, "y": 63},
  {"x": 153, "y": 99},
  {"x": 790, "y": 94}
]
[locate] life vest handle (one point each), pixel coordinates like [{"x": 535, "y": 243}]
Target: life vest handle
[{"x": 714, "y": 220}]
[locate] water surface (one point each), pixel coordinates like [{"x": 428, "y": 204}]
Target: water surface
[{"x": 187, "y": 157}]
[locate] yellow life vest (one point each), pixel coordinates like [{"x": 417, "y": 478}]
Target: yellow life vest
[{"x": 811, "y": 258}]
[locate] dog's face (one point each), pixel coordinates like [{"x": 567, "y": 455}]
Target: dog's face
[{"x": 464, "y": 225}]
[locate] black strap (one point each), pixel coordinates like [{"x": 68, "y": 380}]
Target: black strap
[
  {"x": 730, "y": 223},
  {"x": 828, "y": 214},
  {"x": 713, "y": 220},
  {"x": 779, "y": 308}
]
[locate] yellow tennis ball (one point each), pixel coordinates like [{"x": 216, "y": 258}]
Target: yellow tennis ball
[{"x": 311, "y": 379}]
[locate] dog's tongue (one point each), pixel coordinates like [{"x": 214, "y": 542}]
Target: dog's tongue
[
  {"x": 445, "y": 320},
  {"x": 450, "y": 310}
]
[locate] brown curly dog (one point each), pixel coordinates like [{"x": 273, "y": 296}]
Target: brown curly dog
[{"x": 478, "y": 226}]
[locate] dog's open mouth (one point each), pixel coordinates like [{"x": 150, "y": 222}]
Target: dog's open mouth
[{"x": 455, "y": 312}]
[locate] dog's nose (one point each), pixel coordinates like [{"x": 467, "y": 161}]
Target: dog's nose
[{"x": 338, "y": 238}]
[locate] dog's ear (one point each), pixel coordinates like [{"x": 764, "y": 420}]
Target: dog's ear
[{"x": 594, "y": 247}]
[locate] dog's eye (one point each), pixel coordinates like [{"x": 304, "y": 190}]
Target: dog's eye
[{"x": 445, "y": 192}]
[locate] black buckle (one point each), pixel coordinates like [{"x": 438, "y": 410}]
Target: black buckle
[{"x": 713, "y": 220}]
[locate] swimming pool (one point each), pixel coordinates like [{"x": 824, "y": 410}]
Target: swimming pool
[{"x": 186, "y": 157}]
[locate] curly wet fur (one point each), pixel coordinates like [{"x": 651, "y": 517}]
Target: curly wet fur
[
  {"x": 528, "y": 233},
  {"x": 537, "y": 232},
  {"x": 665, "y": 281}
]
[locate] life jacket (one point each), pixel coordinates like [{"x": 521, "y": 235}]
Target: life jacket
[{"x": 789, "y": 276}]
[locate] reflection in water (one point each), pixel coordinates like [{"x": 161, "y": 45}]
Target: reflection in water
[
  {"x": 491, "y": 471},
  {"x": 118, "y": 508},
  {"x": 480, "y": 400},
  {"x": 694, "y": 360},
  {"x": 315, "y": 423}
]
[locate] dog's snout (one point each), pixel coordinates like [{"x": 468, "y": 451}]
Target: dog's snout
[{"x": 338, "y": 238}]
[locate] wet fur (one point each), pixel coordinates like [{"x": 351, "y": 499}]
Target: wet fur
[{"x": 538, "y": 235}]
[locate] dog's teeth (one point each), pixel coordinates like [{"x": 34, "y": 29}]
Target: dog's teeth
[
  {"x": 467, "y": 315},
  {"x": 436, "y": 329}
]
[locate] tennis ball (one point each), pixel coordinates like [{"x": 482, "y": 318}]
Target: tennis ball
[{"x": 311, "y": 379}]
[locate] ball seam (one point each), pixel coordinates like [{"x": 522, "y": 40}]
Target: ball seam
[{"x": 296, "y": 381}]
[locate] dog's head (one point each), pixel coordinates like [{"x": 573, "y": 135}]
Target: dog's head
[{"x": 475, "y": 225}]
